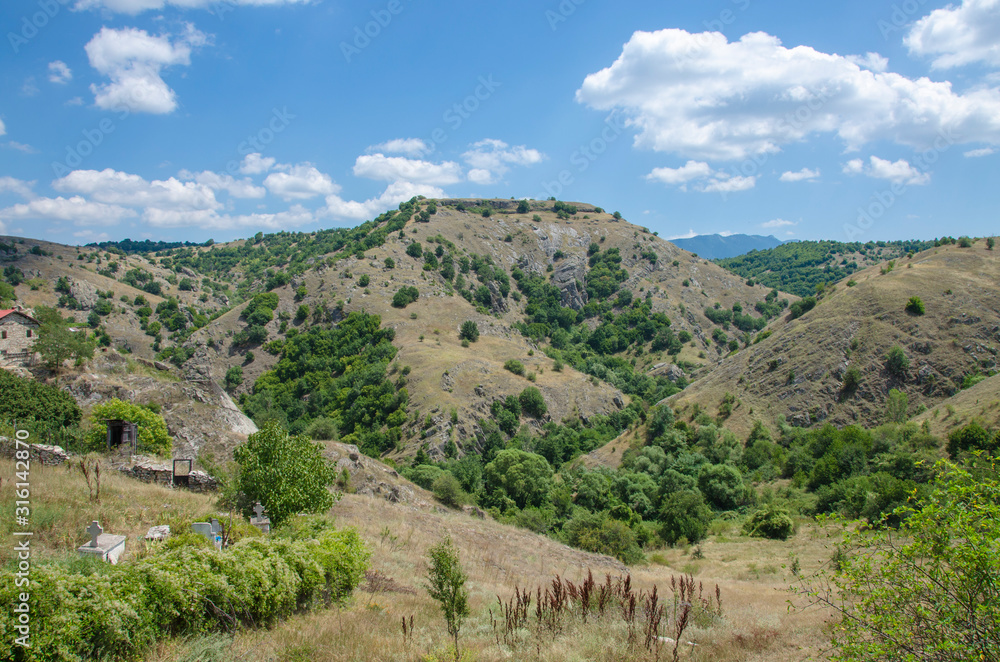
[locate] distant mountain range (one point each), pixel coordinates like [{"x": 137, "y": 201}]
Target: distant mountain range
[{"x": 716, "y": 246}]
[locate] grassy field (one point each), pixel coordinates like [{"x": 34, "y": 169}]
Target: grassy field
[{"x": 753, "y": 577}]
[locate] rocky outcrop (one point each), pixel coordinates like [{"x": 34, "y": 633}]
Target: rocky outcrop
[
  {"x": 371, "y": 477},
  {"x": 569, "y": 276},
  {"x": 84, "y": 293}
]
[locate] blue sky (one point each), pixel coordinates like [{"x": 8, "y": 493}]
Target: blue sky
[{"x": 197, "y": 119}]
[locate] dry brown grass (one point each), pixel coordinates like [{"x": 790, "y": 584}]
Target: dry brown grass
[
  {"x": 61, "y": 507},
  {"x": 756, "y": 623}
]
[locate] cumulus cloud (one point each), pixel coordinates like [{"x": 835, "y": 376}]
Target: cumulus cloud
[
  {"x": 76, "y": 210},
  {"x": 238, "y": 188},
  {"x": 491, "y": 159},
  {"x": 778, "y": 223},
  {"x": 897, "y": 172},
  {"x": 701, "y": 96},
  {"x": 396, "y": 192},
  {"x": 300, "y": 182},
  {"x": 134, "y": 7},
  {"x": 3, "y": 129},
  {"x": 122, "y": 188},
  {"x": 59, "y": 73},
  {"x": 17, "y": 186},
  {"x": 255, "y": 164},
  {"x": 957, "y": 36},
  {"x": 702, "y": 178},
  {"x": 804, "y": 175},
  {"x": 21, "y": 147},
  {"x": 407, "y": 146},
  {"x": 295, "y": 216},
  {"x": 133, "y": 60},
  {"x": 398, "y": 168},
  {"x": 976, "y": 153}
]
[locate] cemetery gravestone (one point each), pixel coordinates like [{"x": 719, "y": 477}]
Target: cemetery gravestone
[
  {"x": 107, "y": 546},
  {"x": 261, "y": 522}
]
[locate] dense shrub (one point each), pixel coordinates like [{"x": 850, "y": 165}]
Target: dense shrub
[
  {"x": 915, "y": 306},
  {"x": 684, "y": 514},
  {"x": 118, "y": 612},
  {"x": 469, "y": 331},
  {"x": 721, "y": 485},
  {"x": 771, "y": 523},
  {"x": 532, "y": 402},
  {"x": 596, "y": 532},
  {"x": 153, "y": 436},
  {"x": 405, "y": 296},
  {"x": 24, "y": 400},
  {"x": 896, "y": 362},
  {"x": 802, "y": 306}
]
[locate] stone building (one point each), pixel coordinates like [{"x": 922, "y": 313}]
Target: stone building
[{"x": 18, "y": 332}]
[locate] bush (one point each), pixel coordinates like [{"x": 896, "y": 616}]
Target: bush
[
  {"x": 365, "y": 280},
  {"x": 322, "y": 428},
  {"x": 118, "y": 612},
  {"x": 925, "y": 592},
  {"x": 532, "y": 402},
  {"x": 405, "y": 296},
  {"x": 852, "y": 379},
  {"x": 24, "y": 400},
  {"x": 896, "y": 362},
  {"x": 415, "y": 250},
  {"x": 972, "y": 437},
  {"x": 234, "y": 377},
  {"x": 770, "y": 522},
  {"x": 446, "y": 584},
  {"x": 153, "y": 436},
  {"x": 915, "y": 306},
  {"x": 598, "y": 533},
  {"x": 524, "y": 478},
  {"x": 287, "y": 474},
  {"x": 448, "y": 490},
  {"x": 802, "y": 306},
  {"x": 469, "y": 331},
  {"x": 722, "y": 486},
  {"x": 514, "y": 366},
  {"x": 684, "y": 514}
]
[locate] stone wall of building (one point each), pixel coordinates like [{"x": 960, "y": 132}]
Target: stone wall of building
[{"x": 18, "y": 333}]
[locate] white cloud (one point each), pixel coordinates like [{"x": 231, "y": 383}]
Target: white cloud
[
  {"x": 395, "y": 193},
  {"x": 872, "y": 61},
  {"x": 687, "y": 235},
  {"x": 702, "y": 177},
  {"x": 214, "y": 6},
  {"x": 122, "y": 188},
  {"x": 238, "y": 188},
  {"x": 778, "y": 223},
  {"x": 898, "y": 172},
  {"x": 255, "y": 164},
  {"x": 730, "y": 185},
  {"x": 295, "y": 216},
  {"x": 75, "y": 209},
  {"x": 133, "y": 60},
  {"x": 700, "y": 96},
  {"x": 804, "y": 175},
  {"x": 3, "y": 129},
  {"x": 18, "y": 186},
  {"x": 21, "y": 147},
  {"x": 59, "y": 73},
  {"x": 299, "y": 182},
  {"x": 491, "y": 159},
  {"x": 399, "y": 168},
  {"x": 407, "y": 146},
  {"x": 976, "y": 153},
  {"x": 959, "y": 35},
  {"x": 29, "y": 89},
  {"x": 680, "y": 176}
]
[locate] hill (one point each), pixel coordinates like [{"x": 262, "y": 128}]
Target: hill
[
  {"x": 797, "y": 373},
  {"x": 717, "y": 246},
  {"x": 606, "y": 300},
  {"x": 799, "y": 267}
]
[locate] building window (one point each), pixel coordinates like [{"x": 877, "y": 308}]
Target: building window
[
  {"x": 3, "y": 335},
  {"x": 29, "y": 333}
]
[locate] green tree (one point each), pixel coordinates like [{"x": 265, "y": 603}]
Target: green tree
[
  {"x": 446, "y": 584},
  {"x": 287, "y": 474},
  {"x": 447, "y": 490},
  {"x": 532, "y": 402},
  {"x": 56, "y": 342},
  {"x": 389, "y": 263},
  {"x": 153, "y": 435},
  {"x": 523, "y": 207},
  {"x": 234, "y": 377},
  {"x": 469, "y": 331},
  {"x": 524, "y": 478},
  {"x": 722, "y": 486},
  {"x": 896, "y": 362},
  {"x": 896, "y": 407},
  {"x": 990, "y": 243},
  {"x": 915, "y": 306},
  {"x": 684, "y": 514},
  {"x": 927, "y": 592},
  {"x": 23, "y": 399},
  {"x": 852, "y": 379}
]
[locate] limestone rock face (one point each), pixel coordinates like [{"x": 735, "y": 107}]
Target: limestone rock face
[
  {"x": 84, "y": 293},
  {"x": 569, "y": 276}
]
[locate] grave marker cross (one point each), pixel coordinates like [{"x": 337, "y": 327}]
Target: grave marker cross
[
  {"x": 95, "y": 531},
  {"x": 259, "y": 509}
]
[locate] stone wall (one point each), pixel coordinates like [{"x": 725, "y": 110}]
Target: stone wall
[
  {"x": 150, "y": 471},
  {"x": 50, "y": 456}
]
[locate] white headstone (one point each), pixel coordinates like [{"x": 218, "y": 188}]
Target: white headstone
[{"x": 104, "y": 545}]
